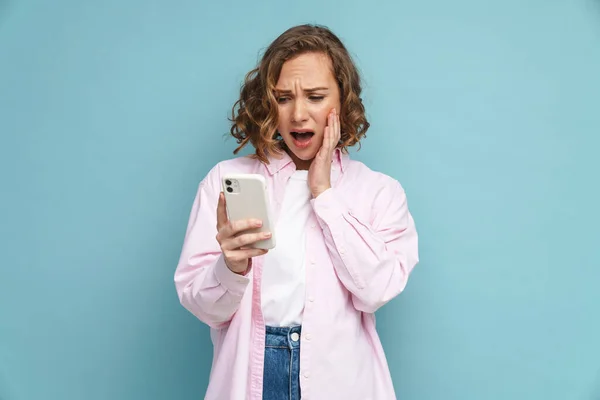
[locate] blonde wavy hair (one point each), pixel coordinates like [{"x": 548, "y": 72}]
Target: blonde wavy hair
[{"x": 255, "y": 113}]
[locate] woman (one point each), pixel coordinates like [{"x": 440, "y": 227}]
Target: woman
[{"x": 299, "y": 320}]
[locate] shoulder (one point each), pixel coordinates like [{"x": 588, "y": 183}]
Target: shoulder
[
  {"x": 372, "y": 195},
  {"x": 242, "y": 164},
  {"x": 358, "y": 173}
]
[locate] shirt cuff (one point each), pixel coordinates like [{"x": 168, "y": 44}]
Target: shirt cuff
[
  {"x": 327, "y": 206},
  {"x": 234, "y": 283}
]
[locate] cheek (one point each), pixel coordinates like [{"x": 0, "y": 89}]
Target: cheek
[
  {"x": 322, "y": 114},
  {"x": 322, "y": 119},
  {"x": 323, "y": 110},
  {"x": 320, "y": 110}
]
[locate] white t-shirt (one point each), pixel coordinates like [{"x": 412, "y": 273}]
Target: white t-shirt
[{"x": 283, "y": 277}]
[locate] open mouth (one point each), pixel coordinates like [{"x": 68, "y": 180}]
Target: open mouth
[
  {"x": 302, "y": 136},
  {"x": 302, "y": 139}
]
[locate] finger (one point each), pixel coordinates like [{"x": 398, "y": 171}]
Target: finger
[
  {"x": 334, "y": 129},
  {"x": 329, "y": 133},
  {"x": 244, "y": 240},
  {"x": 337, "y": 131},
  {"x": 221, "y": 212},
  {"x": 241, "y": 255},
  {"x": 326, "y": 139},
  {"x": 232, "y": 228}
]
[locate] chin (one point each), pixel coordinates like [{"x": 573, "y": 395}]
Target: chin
[
  {"x": 302, "y": 157},
  {"x": 305, "y": 155}
]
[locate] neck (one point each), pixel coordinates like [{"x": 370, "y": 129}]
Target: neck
[{"x": 300, "y": 164}]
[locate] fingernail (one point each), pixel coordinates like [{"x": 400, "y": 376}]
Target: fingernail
[
  {"x": 267, "y": 234},
  {"x": 257, "y": 223}
]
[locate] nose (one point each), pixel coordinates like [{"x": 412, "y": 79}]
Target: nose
[{"x": 299, "y": 113}]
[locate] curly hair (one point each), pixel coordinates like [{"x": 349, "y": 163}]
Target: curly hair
[{"x": 255, "y": 113}]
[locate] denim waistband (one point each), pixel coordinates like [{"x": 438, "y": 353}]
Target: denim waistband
[{"x": 283, "y": 337}]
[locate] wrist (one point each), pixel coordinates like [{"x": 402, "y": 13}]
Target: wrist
[
  {"x": 243, "y": 272},
  {"x": 318, "y": 192}
]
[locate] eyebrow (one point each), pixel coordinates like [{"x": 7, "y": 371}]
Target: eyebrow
[{"x": 310, "y": 90}]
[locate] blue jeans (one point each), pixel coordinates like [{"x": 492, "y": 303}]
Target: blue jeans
[{"x": 281, "y": 379}]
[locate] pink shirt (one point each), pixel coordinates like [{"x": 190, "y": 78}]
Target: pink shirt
[{"x": 361, "y": 247}]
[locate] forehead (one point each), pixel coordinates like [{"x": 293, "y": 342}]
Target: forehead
[{"x": 309, "y": 69}]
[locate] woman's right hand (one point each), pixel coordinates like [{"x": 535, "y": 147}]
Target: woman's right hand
[{"x": 234, "y": 242}]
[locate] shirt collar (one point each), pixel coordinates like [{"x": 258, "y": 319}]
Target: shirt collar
[{"x": 280, "y": 161}]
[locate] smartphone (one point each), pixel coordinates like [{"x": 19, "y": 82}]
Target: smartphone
[{"x": 246, "y": 197}]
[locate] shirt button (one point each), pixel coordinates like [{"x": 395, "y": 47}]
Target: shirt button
[
  {"x": 342, "y": 250},
  {"x": 311, "y": 299},
  {"x": 306, "y": 374},
  {"x": 313, "y": 262},
  {"x": 308, "y": 336},
  {"x": 295, "y": 337}
]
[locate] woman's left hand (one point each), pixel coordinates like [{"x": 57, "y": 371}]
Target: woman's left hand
[{"x": 319, "y": 173}]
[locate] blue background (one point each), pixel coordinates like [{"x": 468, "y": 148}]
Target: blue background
[{"x": 488, "y": 112}]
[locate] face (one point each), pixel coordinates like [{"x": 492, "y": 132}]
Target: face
[{"x": 306, "y": 93}]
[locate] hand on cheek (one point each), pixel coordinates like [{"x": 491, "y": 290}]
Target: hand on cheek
[{"x": 319, "y": 172}]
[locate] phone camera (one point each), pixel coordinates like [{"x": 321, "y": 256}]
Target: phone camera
[
  {"x": 228, "y": 182},
  {"x": 229, "y": 189}
]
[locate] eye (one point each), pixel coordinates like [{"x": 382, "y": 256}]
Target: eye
[
  {"x": 316, "y": 98},
  {"x": 282, "y": 100}
]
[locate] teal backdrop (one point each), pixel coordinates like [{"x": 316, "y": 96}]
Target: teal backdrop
[{"x": 488, "y": 112}]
